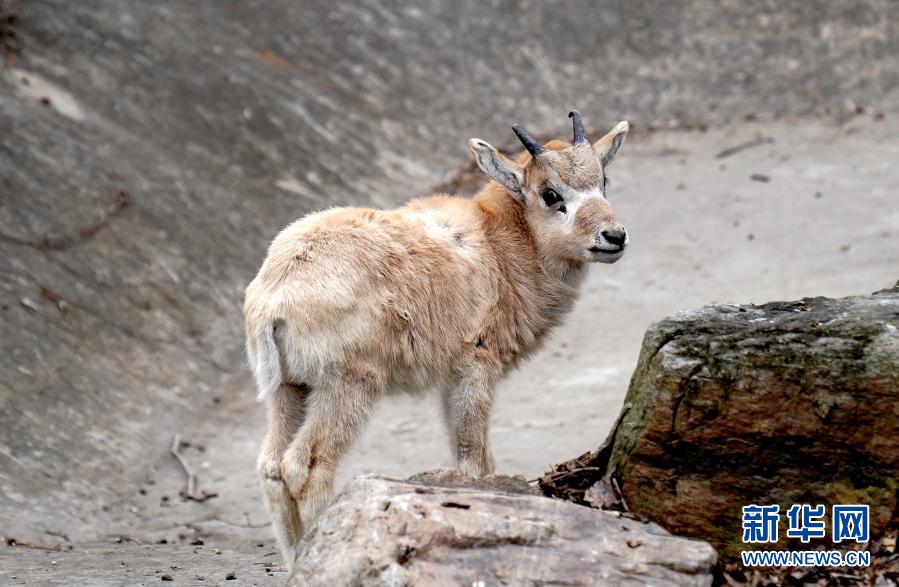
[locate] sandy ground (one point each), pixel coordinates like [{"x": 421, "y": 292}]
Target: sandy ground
[{"x": 819, "y": 218}]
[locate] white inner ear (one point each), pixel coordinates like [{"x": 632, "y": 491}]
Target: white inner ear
[
  {"x": 493, "y": 164},
  {"x": 610, "y": 153},
  {"x": 607, "y": 149}
]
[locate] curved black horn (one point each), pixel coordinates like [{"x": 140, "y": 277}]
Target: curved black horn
[
  {"x": 580, "y": 135},
  {"x": 533, "y": 147}
]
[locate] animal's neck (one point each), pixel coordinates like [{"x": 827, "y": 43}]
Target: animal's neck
[
  {"x": 498, "y": 205},
  {"x": 555, "y": 283}
]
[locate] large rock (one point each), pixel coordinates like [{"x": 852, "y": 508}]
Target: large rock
[
  {"x": 442, "y": 528},
  {"x": 784, "y": 403}
]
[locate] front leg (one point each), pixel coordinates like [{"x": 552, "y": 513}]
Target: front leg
[{"x": 467, "y": 409}]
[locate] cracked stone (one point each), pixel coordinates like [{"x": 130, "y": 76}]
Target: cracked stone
[{"x": 445, "y": 529}]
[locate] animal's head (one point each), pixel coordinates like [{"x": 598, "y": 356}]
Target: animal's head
[{"x": 562, "y": 188}]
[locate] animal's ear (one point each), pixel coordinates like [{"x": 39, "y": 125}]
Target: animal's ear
[
  {"x": 498, "y": 167},
  {"x": 607, "y": 147}
]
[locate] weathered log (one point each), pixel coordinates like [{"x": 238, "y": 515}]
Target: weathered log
[{"x": 783, "y": 403}]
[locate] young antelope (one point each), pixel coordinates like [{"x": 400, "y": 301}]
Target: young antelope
[{"x": 445, "y": 293}]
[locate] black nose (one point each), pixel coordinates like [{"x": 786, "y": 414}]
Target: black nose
[{"x": 615, "y": 236}]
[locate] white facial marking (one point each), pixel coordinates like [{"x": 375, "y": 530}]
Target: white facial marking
[{"x": 574, "y": 199}]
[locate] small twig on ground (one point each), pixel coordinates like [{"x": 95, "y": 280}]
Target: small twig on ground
[
  {"x": 756, "y": 142},
  {"x": 122, "y": 538},
  {"x": 9, "y": 42},
  {"x": 566, "y": 472},
  {"x": 47, "y": 242},
  {"x": 10, "y": 541},
  {"x": 617, "y": 488},
  {"x": 57, "y": 534},
  {"x": 191, "y": 492},
  {"x": 191, "y": 478}
]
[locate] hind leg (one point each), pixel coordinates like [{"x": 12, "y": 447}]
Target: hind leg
[
  {"x": 286, "y": 411},
  {"x": 338, "y": 410}
]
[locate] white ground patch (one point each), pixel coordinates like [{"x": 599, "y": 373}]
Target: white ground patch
[
  {"x": 39, "y": 89},
  {"x": 290, "y": 184}
]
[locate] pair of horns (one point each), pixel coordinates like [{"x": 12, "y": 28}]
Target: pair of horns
[{"x": 535, "y": 148}]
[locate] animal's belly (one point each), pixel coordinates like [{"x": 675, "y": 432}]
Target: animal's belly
[{"x": 419, "y": 378}]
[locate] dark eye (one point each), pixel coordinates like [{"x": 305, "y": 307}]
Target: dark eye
[{"x": 553, "y": 200}]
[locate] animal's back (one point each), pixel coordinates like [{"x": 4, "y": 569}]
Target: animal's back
[{"x": 399, "y": 288}]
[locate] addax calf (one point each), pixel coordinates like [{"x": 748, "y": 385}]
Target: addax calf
[{"x": 445, "y": 293}]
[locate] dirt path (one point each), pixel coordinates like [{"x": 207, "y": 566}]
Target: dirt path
[{"x": 811, "y": 212}]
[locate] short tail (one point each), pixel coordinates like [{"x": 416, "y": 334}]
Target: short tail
[{"x": 266, "y": 364}]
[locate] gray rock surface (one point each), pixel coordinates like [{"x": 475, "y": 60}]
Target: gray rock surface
[{"x": 439, "y": 529}]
